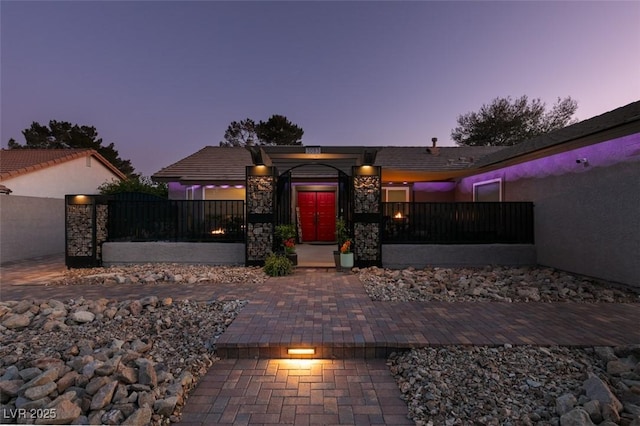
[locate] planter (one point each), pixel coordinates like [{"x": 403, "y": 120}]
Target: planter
[
  {"x": 346, "y": 260},
  {"x": 336, "y": 260},
  {"x": 293, "y": 257}
]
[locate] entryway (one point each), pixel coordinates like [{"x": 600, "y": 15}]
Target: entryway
[
  {"x": 317, "y": 216},
  {"x": 316, "y": 255}
]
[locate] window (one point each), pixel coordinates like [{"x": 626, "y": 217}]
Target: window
[
  {"x": 395, "y": 195},
  {"x": 489, "y": 190}
]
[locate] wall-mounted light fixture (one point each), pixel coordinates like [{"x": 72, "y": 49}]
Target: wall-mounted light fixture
[
  {"x": 256, "y": 155},
  {"x": 369, "y": 157},
  {"x": 583, "y": 161}
]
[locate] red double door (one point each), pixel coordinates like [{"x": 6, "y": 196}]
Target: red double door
[{"x": 317, "y": 215}]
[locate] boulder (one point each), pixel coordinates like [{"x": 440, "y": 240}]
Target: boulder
[{"x": 576, "y": 417}]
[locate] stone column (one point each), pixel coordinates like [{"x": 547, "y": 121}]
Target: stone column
[
  {"x": 367, "y": 215},
  {"x": 261, "y": 186}
]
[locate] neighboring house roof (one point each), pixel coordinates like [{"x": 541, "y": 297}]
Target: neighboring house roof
[
  {"x": 211, "y": 163},
  {"x": 16, "y": 162},
  {"x": 609, "y": 120}
]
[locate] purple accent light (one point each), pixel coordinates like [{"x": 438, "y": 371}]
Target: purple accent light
[
  {"x": 580, "y": 160},
  {"x": 434, "y": 186}
]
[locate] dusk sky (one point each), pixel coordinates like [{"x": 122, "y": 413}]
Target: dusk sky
[{"x": 163, "y": 79}]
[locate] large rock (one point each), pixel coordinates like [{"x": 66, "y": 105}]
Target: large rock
[
  {"x": 17, "y": 321},
  {"x": 66, "y": 412},
  {"x": 565, "y": 403},
  {"x": 141, "y": 417},
  {"x": 43, "y": 378},
  {"x": 165, "y": 406},
  {"x": 38, "y": 392},
  {"x": 595, "y": 388},
  {"x": 576, "y": 417},
  {"x": 83, "y": 316},
  {"x": 146, "y": 373},
  {"x": 617, "y": 367},
  {"x": 102, "y": 398}
]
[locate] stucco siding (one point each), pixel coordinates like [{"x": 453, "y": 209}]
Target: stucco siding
[
  {"x": 587, "y": 215},
  {"x": 30, "y": 227},
  {"x": 78, "y": 176}
]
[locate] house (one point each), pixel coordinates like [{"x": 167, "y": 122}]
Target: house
[
  {"x": 33, "y": 184},
  {"x": 584, "y": 181},
  {"x": 52, "y": 173}
]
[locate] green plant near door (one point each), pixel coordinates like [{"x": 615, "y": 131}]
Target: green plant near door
[
  {"x": 342, "y": 233},
  {"x": 276, "y": 265}
]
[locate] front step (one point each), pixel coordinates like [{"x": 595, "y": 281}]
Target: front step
[{"x": 323, "y": 351}]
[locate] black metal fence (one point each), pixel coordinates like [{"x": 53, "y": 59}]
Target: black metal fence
[
  {"x": 458, "y": 223},
  {"x": 176, "y": 220}
]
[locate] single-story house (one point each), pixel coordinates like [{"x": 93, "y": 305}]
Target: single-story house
[
  {"x": 33, "y": 184},
  {"x": 584, "y": 181}
]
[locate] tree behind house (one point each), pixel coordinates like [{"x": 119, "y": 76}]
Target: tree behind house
[
  {"x": 506, "y": 122},
  {"x": 64, "y": 135},
  {"x": 277, "y": 130}
]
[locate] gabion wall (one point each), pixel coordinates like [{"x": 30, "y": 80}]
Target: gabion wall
[
  {"x": 80, "y": 230},
  {"x": 260, "y": 195},
  {"x": 367, "y": 191},
  {"x": 366, "y": 197},
  {"x": 102, "y": 216}
]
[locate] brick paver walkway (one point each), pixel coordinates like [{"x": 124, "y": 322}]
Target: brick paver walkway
[{"x": 331, "y": 312}]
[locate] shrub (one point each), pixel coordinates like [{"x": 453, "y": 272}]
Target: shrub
[{"x": 277, "y": 265}]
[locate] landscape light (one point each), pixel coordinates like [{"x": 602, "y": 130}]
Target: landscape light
[{"x": 301, "y": 351}]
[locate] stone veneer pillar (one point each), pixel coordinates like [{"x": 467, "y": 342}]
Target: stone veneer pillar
[
  {"x": 261, "y": 187},
  {"x": 86, "y": 229},
  {"x": 367, "y": 215}
]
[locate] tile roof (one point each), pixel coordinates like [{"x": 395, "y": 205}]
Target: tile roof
[
  {"x": 445, "y": 158},
  {"x": 211, "y": 163},
  {"x": 14, "y": 162},
  {"x": 626, "y": 114}
]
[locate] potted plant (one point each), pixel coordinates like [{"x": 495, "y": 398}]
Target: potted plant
[
  {"x": 346, "y": 255},
  {"x": 287, "y": 236},
  {"x": 342, "y": 235}
]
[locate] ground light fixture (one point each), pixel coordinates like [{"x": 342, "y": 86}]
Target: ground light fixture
[{"x": 301, "y": 351}]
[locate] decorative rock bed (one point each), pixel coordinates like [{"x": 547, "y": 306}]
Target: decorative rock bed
[
  {"x": 457, "y": 385},
  {"x": 502, "y": 284},
  {"x": 105, "y": 361}
]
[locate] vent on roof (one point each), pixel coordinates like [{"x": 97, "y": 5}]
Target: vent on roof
[
  {"x": 434, "y": 149},
  {"x": 312, "y": 150}
]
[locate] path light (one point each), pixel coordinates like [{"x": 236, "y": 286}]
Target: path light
[{"x": 301, "y": 351}]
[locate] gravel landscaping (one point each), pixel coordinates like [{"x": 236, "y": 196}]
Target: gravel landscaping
[
  {"x": 499, "y": 284},
  {"x": 134, "y": 361}
]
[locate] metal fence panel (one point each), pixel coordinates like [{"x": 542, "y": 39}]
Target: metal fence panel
[
  {"x": 458, "y": 223},
  {"x": 176, "y": 220}
]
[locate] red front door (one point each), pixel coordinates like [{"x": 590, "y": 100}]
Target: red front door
[{"x": 317, "y": 215}]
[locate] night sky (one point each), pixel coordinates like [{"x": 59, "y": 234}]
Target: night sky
[{"x": 163, "y": 79}]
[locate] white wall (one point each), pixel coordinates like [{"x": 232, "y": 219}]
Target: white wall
[
  {"x": 30, "y": 227},
  {"x": 78, "y": 176}
]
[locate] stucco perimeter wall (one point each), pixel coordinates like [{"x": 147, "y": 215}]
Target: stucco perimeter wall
[
  {"x": 30, "y": 227},
  {"x": 398, "y": 256},
  {"x": 157, "y": 252},
  {"x": 586, "y": 215},
  {"x": 593, "y": 226}
]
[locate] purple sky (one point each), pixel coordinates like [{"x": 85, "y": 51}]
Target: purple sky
[{"x": 163, "y": 79}]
